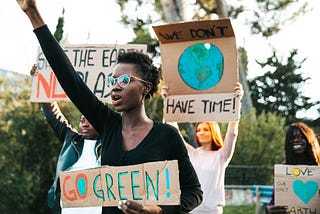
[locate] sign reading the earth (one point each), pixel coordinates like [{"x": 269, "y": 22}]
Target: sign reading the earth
[
  {"x": 93, "y": 63},
  {"x": 201, "y": 66},
  {"x": 200, "y": 69}
]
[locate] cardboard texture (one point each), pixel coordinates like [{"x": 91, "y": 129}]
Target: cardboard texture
[
  {"x": 154, "y": 183},
  {"x": 201, "y": 107},
  {"x": 93, "y": 64},
  {"x": 297, "y": 186},
  {"x": 199, "y": 57}
]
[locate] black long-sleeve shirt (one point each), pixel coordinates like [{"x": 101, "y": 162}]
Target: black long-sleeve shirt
[{"x": 163, "y": 142}]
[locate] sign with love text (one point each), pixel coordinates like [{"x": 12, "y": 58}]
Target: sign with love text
[
  {"x": 200, "y": 69},
  {"x": 154, "y": 183},
  {"x": 298, "y": 187},
  {"x": 92, "y": 62}
]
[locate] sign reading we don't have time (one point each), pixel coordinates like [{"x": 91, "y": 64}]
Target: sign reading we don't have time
[{"x": 200, "y": 69}]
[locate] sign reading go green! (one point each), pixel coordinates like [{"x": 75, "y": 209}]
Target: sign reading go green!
[{"x": 154, "y": 183}]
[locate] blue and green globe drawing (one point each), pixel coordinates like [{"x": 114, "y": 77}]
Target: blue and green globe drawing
[{"x": 201, "y": 66}]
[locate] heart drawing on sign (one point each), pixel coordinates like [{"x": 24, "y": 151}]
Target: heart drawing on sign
[{"x": 305, "y": 191}]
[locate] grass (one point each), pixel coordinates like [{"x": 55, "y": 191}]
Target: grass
[{"x": 239, "y": 210}]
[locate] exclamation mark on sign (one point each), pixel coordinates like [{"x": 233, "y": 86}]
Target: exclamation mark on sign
[
  {"x": 168, "y": 183},
  {"x": 234, "y": 105}
]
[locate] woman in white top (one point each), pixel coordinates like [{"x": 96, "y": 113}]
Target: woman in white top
[{"x": 211, "y": 158}]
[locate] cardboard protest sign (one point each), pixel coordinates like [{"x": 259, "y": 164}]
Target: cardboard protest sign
[
  {"x": 154, "y": 183},
  {"x": 298, "y": 187},
  {"x": 92, "y": 62},
  {"x": 199, "y": 58}
]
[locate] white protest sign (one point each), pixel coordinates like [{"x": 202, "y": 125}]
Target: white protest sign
[
  {"x": 92, "y": 62},
  {"x": 200, "y": 107}
]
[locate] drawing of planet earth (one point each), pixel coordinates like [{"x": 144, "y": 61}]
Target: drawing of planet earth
[{"x": 201, "y": 66}]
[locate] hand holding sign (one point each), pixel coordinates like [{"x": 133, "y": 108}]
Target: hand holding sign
[
  {"x": 222, "y": 107},
  {"x": 128, "y": 206},
  {"x": 199, "y": 60}
]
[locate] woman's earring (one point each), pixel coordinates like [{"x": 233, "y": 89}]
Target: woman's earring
[{"x": 149, "y": 97}]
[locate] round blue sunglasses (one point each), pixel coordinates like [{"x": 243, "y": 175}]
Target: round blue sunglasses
[{"x": 123, "y": 80}]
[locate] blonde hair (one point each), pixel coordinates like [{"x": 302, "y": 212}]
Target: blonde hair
[{"x": 217, "y": 140}]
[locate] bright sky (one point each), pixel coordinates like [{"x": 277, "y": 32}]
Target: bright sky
[
  {"x": 18, "y": 44},
  {"x": 303, "y": 35}
]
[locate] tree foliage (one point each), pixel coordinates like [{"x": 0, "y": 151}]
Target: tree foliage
[
  {"x": 266, "y": 19},
  {"x": 29, "y": 148},
  {"x": 58, "y": 34},
  {"x": 140, "y": 21},
  {"x": 260, "y": 145},
  {"x": 278, "y": 89},
  {"x": 26, "y": 153}
]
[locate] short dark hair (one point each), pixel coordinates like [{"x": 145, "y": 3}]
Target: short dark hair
[{"x": 144, "y": 66}]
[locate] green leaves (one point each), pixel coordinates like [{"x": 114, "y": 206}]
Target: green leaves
[{"x": 278, "y": 90}]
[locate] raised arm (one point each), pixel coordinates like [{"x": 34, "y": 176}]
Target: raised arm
[
  {"x": 230, "y": 140},
  {"x": 31, "y": 10},
  {"x": 232, "y": 131},
  {"x": 78, "y": 92},
  {"x": 55, "y": 118},
  {"x": 57, "y": 121}
]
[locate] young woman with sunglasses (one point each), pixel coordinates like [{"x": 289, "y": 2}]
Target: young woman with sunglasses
[{"x": 130, "y": 137}]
